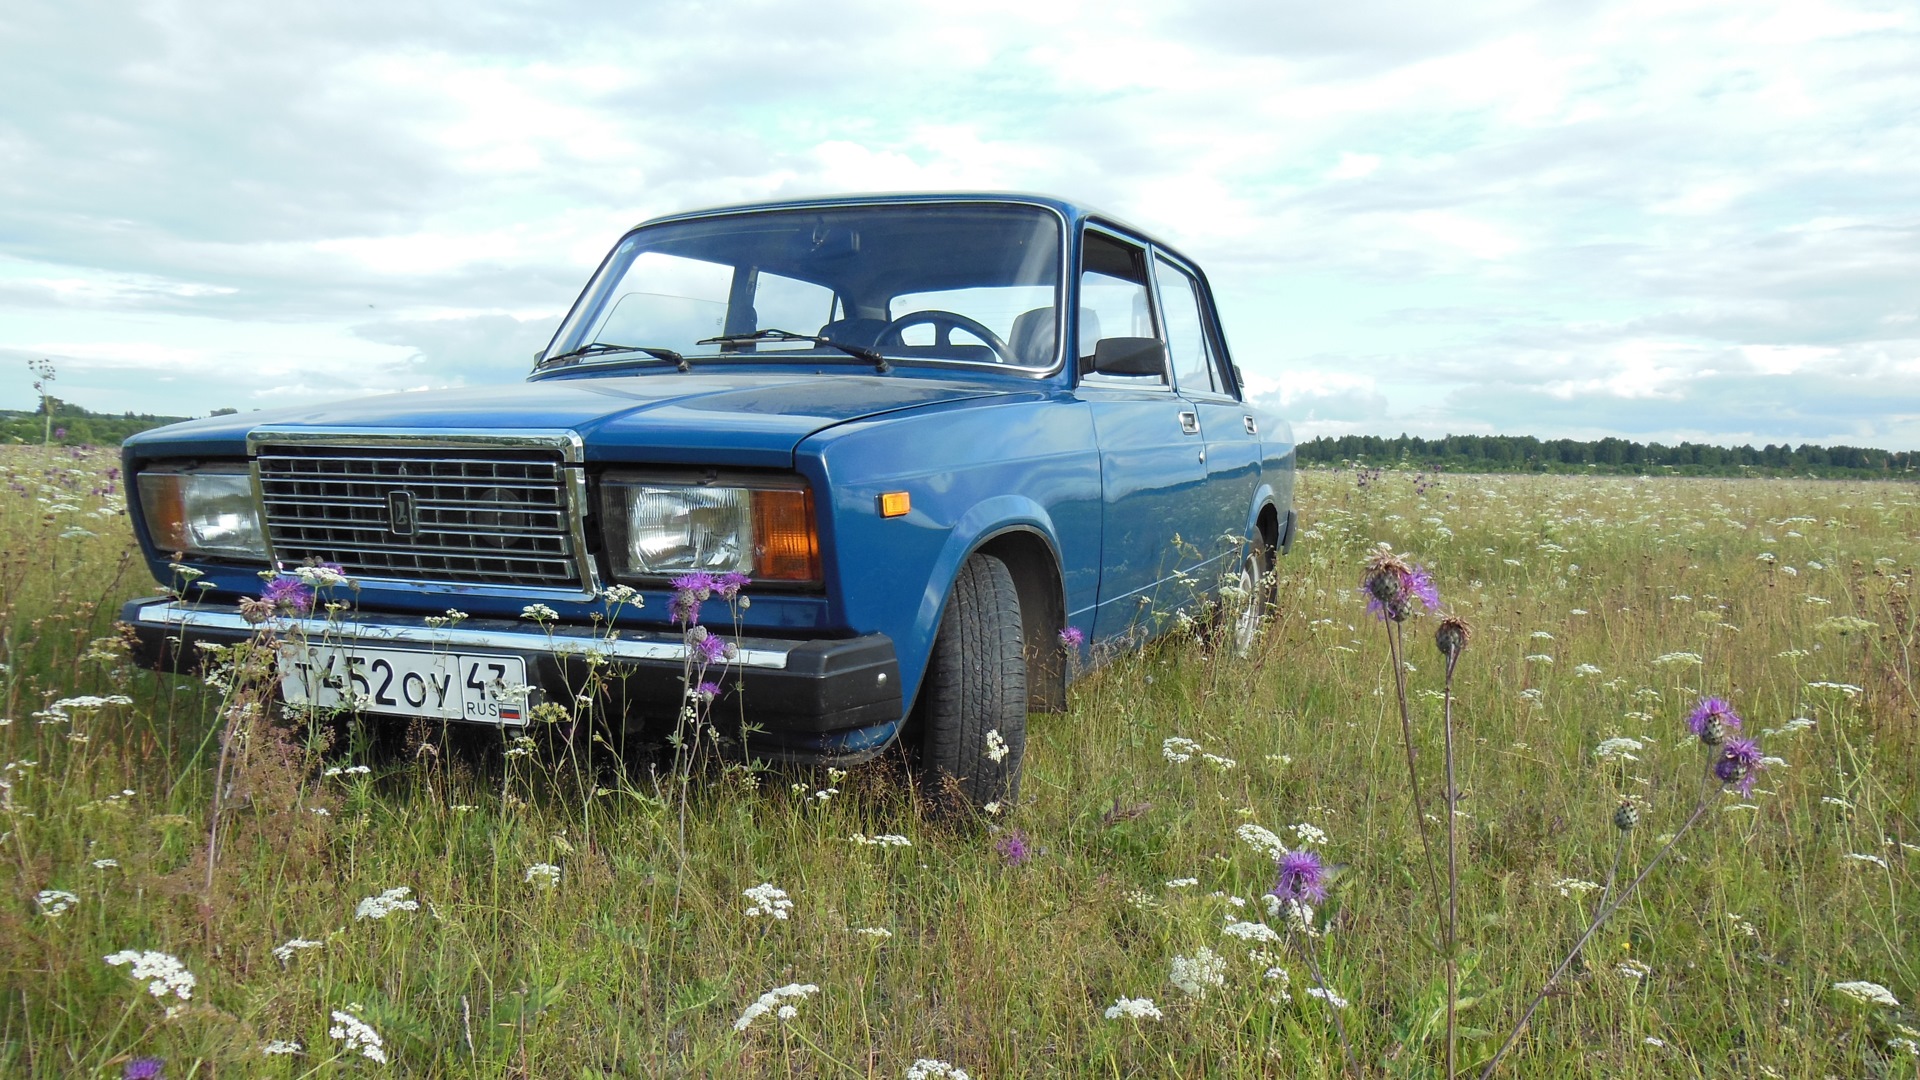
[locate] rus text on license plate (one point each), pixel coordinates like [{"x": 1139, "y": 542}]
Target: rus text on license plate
[{"x": 477, "y": 687}]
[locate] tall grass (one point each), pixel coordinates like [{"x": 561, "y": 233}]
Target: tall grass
[{"x": 1793, "y": 599}]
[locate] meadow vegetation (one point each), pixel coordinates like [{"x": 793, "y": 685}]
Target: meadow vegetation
[{"x": 364, "y": 904}]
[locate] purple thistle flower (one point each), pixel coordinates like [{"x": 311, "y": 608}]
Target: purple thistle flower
[
  {"x": 1391, "y": 585},
  {"x": 1712, "y": 719},
  {"x": 699, "y": 583},
  {"x": 1073, "y": 637},
  {"x": 1739, "y": 765},
  {"x": 707, "y": 691},
  {"x": 712, "y": 649},
  {"x": 688, "y": 591},
  {"x": 729, "y": 584},
  {"x": 1302, "y": 877},
  {"x": 146, "y": 1068},
  {"x": 1013, "y": 848},
  {"x": 288, "y": 594}
]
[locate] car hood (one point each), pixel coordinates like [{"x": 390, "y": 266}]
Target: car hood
[{"x": 721, "y": 418}]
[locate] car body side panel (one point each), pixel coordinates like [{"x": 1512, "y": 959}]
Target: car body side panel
[{"x": 971, "y": 470}]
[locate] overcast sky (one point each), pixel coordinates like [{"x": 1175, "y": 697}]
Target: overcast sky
[{"x": 1661, "y": 220}]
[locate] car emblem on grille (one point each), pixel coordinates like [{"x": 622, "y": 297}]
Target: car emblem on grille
[{"x": 400, "y": 516}]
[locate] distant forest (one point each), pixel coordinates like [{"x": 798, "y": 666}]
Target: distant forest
[
  {"x": 75, "y": 426},
  {"x": 1522, "y": 453}
]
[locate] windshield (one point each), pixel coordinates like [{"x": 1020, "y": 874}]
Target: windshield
[{"x": 941, "y": 282}]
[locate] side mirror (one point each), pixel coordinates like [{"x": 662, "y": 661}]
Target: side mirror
[{"x": 1130, "y": 356}]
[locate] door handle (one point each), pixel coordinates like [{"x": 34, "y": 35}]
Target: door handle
[
  {"x": 1190, "y": 423},
  {"x": 1253, "y": 427}
]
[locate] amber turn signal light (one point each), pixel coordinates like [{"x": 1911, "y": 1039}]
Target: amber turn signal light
[{"x": 895, "y": 503}]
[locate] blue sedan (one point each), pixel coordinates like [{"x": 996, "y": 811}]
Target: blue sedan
[{"x": 961, "y": 446}]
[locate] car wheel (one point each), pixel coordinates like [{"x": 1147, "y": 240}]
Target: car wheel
[
  {"x": 1250, "y": 609},
  {"x": 975, "y": 698}
]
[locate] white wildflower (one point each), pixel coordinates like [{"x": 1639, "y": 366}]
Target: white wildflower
[
  {"x": 1874, "y": 859},
  {"x": 162, "y": 973},
  {"x": 1309, "y": 834},
  {"x": 320, "y": 577},
  {"x": 1869, "y": 993},
  {"x": 771, "y": 1002},
  {"x": 767, "y": 900},
  {"x": 1327, "y": 996},
  {"x": 933, "y": 1069},
  {"x": 284, "y": 952},
  {"x": 882, "y": 840},
  {"x": 879, "y": 932},
  {"x": 1183, "y": 882},
  {"x": 1541, "y": 635},
  {"x": 997, "y": 748},
  {"x": 1850, "y": 690},
  {"x": 1539, "y": 658},
  {"x": 379, "y": 907},
  {"x": 539, "y": 613},
  {"x": 1262, "y": 840},
  {"x": 105, "y": 864},
  {"x": 1250, "y": 931},
  {"x": 1220, "y": 763},
  {"x": 54, "y": 903},
  {"x": 1584, "y": 670},
  {"x": 543, "y": 874},
  {"x": 1828, "y": 800},
  {"x": 281, "y": 1046},
  {"x": 1133, "y": 1009},
  {"x": 1574, "y": 886},
  {"x": 1691, "y": 658},
  {"x": 1179, "y": 750},
  {"x": 1195, "y": 975},
  {"x": 1620, "y": 747},
  {"x": 1533, "y": 694},
  {"x": 1791, "y": 727},
  {"x": 357, "y": 1037}
]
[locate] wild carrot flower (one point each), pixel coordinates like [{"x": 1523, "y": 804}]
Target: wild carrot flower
[
  {"x": 1013, "y": 848},
  {"x": 934, "y": 1069},
  {"x": 1195, "y": 975},
  {"x": 1263, "y": 840},
  {"x": 379, "y": 907},
  {"x": 162, "y": 973},
  {"x": 1739, "y": 765},
  {"x": 356, "y": 1036},
  {"x": 1712, "y": 720},
  {"x": 54, "y": 903},
  {"x": 1133, "y": 1009},
  {"x": 1302, "y": 877},
  {"x": 544, "y": 875},
  {"x": 768, "y": 900},
  {"x": 1868, "y": 993},
  {"x": 770, "y": 1002}
]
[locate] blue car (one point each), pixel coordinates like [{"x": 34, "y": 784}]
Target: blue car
[{"x": 959, "y": 447}]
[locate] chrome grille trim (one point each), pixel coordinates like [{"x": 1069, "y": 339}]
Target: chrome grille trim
[{"x": 491, "y": 514}]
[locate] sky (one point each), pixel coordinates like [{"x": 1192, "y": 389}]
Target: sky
[{"x": 1659, "y": 220}]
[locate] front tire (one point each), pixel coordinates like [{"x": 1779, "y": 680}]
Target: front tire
[
  {"x": 976, "y": 685},
  {"x": 1255, "y": 603}
]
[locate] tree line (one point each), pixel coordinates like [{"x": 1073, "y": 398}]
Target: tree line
[
  {"x": 75, "y": 426},
  {"x": 1524, "y": 453}
]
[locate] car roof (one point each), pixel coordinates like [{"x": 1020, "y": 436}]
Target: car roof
[{"x": 1073, "y": 212}]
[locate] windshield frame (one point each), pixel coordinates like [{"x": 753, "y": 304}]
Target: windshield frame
[{"x": 592, "y": 299}]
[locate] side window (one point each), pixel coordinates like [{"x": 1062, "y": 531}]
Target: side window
[
  {"x": 1183, "y": 308},
  {"x": 1115, "y": 301},
  {"x": 790, "y": 304}
]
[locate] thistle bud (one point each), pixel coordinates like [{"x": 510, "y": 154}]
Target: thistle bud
[
  {"x": 1713, "y": 731},
  {"x": 1452, "y": 637},
  {"x": 1626, "y": 816}
]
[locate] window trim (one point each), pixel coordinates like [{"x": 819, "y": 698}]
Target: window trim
[
  {"x": 1209, "y": 330},
  {"x": 1146, "y": 248}
]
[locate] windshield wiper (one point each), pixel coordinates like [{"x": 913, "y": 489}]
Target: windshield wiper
[
  {"x": 859, "y": 352},
  {"x": 603, "y": 348}
]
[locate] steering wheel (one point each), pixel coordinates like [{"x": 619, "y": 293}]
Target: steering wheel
[{"x": 944, "y": 323}]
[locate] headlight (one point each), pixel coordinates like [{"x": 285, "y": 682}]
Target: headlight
[
  {"x": 207, "y": 510},
  {"x": 761, "y": 527}
]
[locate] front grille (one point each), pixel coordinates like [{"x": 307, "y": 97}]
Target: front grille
[{"x": 462, "y": 515}]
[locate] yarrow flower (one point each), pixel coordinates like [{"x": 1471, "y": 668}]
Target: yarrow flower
[
  {"x": 284, "y": 952},
  {"x": 1739, "y": 765},
  {"x": 357, "y": 1037},
  {"x": 1194, "y": 976},
  {"x": 1869, "y": 993},
  {"x": 544, "y": 875},
  {"x": 933, "y": 1069},
  {"x": 539, "y": 613},
  {"x": 54, "y": 903},
  {"x": 770, "y": 1002},
  {"x": 1391, "y": 585},
  {"x": 1179, "y": 749},
  {"x": 768, "y": 900},
  {"x": 997, "y": 748},
  {"x": 1262, "y": 840},
  {"x": 1133, "y": 1009},
  {"x": 162, "y": 973},
  {"x": 1712, "y": 720},
  {"x": 881, "y": 840},
  {"x": 281, "y": 1046},
  {"x": 1302, "y": 877},
  {"x": 379, "y": 907},
  {"x": 1013, "y": 848}
]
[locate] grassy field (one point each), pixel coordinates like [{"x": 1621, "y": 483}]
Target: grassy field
[{"x": 562, "y": 920}]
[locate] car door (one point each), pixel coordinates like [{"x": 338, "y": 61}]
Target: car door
[
  {"x": 1229, "y": 429},
  {"x": 1152, "y": 456}
]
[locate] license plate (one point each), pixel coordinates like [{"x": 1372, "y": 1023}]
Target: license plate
[{"x": 483, "y": 688}]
